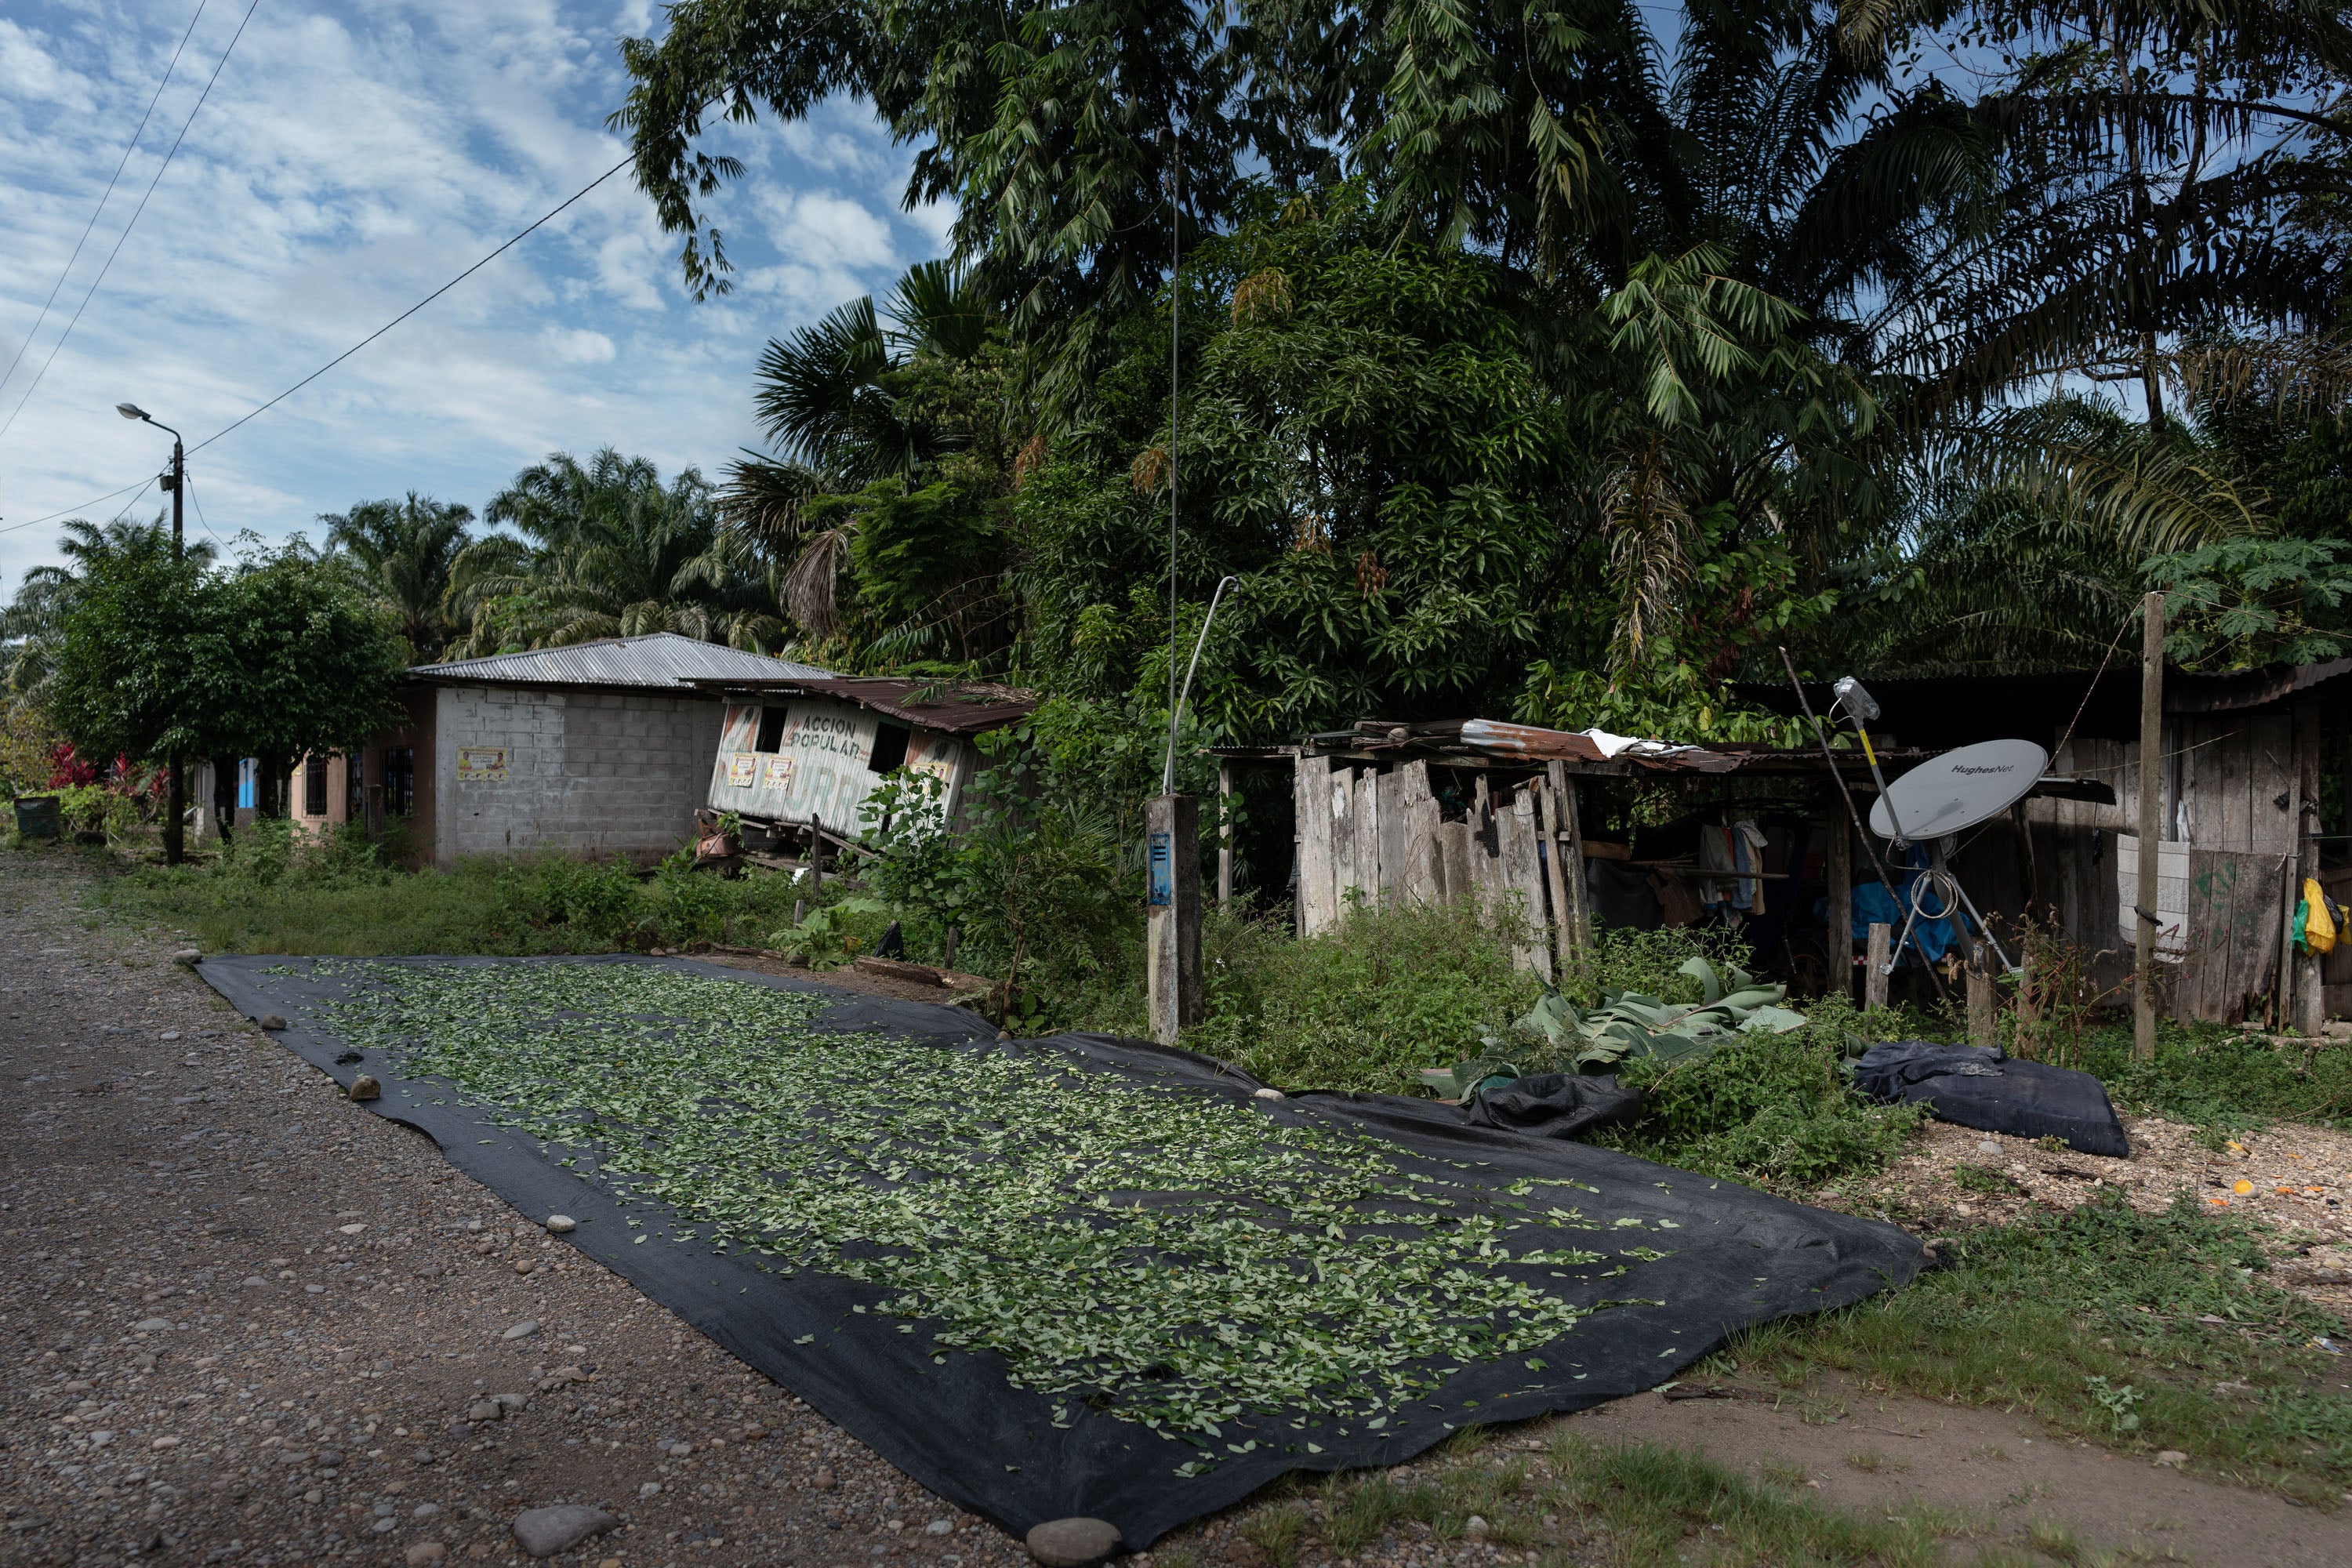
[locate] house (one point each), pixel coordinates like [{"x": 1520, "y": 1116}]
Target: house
[
  {"x": 797, "y": 756},
  {"x": 598, "y": 748}
]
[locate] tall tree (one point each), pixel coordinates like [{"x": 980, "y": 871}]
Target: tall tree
[
  {"x": 605, "y": 549},
  {"x": 405, "y": 550}
]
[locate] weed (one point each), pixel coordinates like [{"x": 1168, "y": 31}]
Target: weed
[
  {"x": 2053, "y": 1540},
  {"x": 1866, "y": 1460},
  {"x": 1984, "y": 1179},
  {"x": 2019, "y": 1317},
  {"x": 1278, "y": 1531},
  {"x": 1781, "y": 1473}
]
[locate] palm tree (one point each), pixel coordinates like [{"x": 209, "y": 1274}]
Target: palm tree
[
  {"x": 606, "y": 550},
  {"x": 405, "y": 550},
  {"x": 864, "y": 396}
]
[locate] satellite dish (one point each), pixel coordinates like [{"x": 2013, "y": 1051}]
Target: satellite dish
[{"x": 1960, "y": 789}]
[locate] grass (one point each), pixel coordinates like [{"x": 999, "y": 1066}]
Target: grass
[
  {"x": 271, "y": 891},
  {"x": 1649, "y": 1505},
  {"x": 2092, "y": 1322}
]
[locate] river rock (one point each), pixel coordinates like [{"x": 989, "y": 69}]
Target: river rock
[
  {"x": 1072, "y": 1542},
  {"x": 272, "y": 1021},
  {"x": 561, "y": 1224},
  {"x": 544, "y": 1531},
  {"x": 365, "y": 1086},
  {"x": 523, "y": 1330}
]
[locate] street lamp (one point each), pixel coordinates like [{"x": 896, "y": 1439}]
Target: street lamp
[{"x": 176, "y": 482}]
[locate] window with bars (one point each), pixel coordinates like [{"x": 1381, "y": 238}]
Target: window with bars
[
  {"x": 314, "y": 787},
  {"x": 399, "y": 780},
  {"x": 355, "y": 788}
]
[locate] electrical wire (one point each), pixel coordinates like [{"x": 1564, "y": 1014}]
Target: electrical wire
[
  {"x": 78, "y": 506},
  {"x": 91, "y": 292},
  {"x": 445, "y": 288},
  {"x": 108, "y": 194}
]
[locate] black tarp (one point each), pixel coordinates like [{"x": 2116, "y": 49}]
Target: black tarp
[
  {"x": 1554, "y": 1104},
  {"x": 1739, "y": 1258},
  {"x": 1979, "y": 1087}
]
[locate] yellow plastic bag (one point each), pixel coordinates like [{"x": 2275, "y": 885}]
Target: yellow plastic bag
[{"x": 2319, "y": 925}]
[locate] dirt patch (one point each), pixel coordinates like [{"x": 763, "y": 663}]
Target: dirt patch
[
  {"x": 1997, "y": 1475},
  {"x": 2296, "y": 1179}
]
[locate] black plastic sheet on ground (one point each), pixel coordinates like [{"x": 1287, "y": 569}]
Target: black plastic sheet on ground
[{"x": 1710, "y": 1258}]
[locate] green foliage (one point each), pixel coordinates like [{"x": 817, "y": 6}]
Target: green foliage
[
  {"x": 1771, "y": 1107},
  {"x": 2221, "y": 1080},
  {"x": 2243, "y": 601},
  {"x": 1032, "y": 883},
  {"x": 278, "y": 887},
  {"x": 298, "y": 659},
  {"x": 605, "y": 549},
  {"x": 2057, "y": 1315},
  {"x": 404, "y": 551},
  {"x": 1628, "y": 1026},
  {"x": 127, "y": 647},
  {"x": 1364, "y": 1006}
]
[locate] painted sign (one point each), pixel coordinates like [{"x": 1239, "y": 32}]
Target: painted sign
[
  {"x": 481, "y": 765},
  {"x": 1163, "y": 871},
  {"x": 819, "y": 770}
]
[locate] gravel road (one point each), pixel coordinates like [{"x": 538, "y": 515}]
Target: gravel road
[{"x": 248, "y": 1322}]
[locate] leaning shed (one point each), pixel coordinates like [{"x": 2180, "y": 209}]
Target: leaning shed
[
  {"x": 798, "y": 756},
  {"x": 597, "y": 747},
  {"x": 1569, "y": 829}
]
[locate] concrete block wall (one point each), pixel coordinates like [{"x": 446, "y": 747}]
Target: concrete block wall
[{"x": 588, "y": 773}]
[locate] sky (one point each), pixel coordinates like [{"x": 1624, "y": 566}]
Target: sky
[{"x": 351, "y": 158}]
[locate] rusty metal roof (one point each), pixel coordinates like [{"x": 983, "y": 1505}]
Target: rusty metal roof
[
  {"x": 658, "y": 660},
  {"x": 952, "y": 708}
]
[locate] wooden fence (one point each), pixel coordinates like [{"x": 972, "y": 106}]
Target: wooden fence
[{"x": 1369, "y": 837}]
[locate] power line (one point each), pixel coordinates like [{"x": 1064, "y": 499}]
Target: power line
[
  {"x": 92, "y": 291},
  {"x": 445, "y": 288},
  {"x": 34, "y": 330},
  {"x": 79, "y": 506}
]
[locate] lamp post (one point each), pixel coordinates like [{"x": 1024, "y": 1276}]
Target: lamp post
[{"x": 176, "y": 482}]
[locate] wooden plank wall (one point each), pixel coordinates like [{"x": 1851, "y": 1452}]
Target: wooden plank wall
[
  {"x": 2223, "y": 778},
  {"x": 1372, "y": 838}
]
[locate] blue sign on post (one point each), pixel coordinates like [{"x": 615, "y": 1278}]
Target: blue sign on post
[{"x": 1163, "y": 871}]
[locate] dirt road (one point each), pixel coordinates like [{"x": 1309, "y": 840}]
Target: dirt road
[{"x": 248, "y": 1322}]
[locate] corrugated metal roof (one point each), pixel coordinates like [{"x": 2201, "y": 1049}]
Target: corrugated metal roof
[
  {"x": 658, "y": 659},
  {"x": 953, "y": 708}
]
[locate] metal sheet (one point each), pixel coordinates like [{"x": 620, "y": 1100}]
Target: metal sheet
[{"x": 818, "y": 772}]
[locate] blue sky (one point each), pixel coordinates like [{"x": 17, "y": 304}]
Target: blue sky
[{"x": 351, "y": 159}]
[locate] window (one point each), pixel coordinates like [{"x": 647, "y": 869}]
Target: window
[
  {"x": 889, "y": 749},
  {"x": 399, "y": 780},
  {"x": 771, "y": 731},
  {"x": 314, "y": 787},
  {"x": 355, "y": 788}
]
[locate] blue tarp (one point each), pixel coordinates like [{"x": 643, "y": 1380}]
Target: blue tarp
[{"x": 1873, "y": 907}]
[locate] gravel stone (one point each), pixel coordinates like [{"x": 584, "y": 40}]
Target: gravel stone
[
  {"x": 523, "y": 1330},
  {"x": 544, "y": 1531},
  {"x": 1072, "y": 1542},
  {"x": 561, "y": 1224}
]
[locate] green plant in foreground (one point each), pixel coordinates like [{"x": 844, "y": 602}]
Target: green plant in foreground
[
  {"x": 1325, "y": 1274},
  {"x": 2087, "y": 1318}
]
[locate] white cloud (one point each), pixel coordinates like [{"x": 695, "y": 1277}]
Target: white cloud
[
  {"x": 350, "y": 161},
  {"x": 577, "y": 345}
]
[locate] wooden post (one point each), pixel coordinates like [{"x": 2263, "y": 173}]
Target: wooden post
[
  {"x": 2151, "y": 760},
  {"x": 1568, "y": 854},
  {"x": 1980, "y": 995},
  {"x": 1873, "y": 976},
  {"x": 2310, "y": 981},
  {"x": 1172, "y": 917},
  {"x": 1225, "y": 833},
  {"x": 1837, "y": 868}
]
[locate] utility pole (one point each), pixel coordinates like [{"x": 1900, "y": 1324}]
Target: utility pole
[
  {"x": 2144, "y": 919},
  {"x": 175, "y": 809}
]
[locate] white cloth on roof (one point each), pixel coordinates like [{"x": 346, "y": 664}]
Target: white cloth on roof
[{"x": 1613, "y": 746}]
